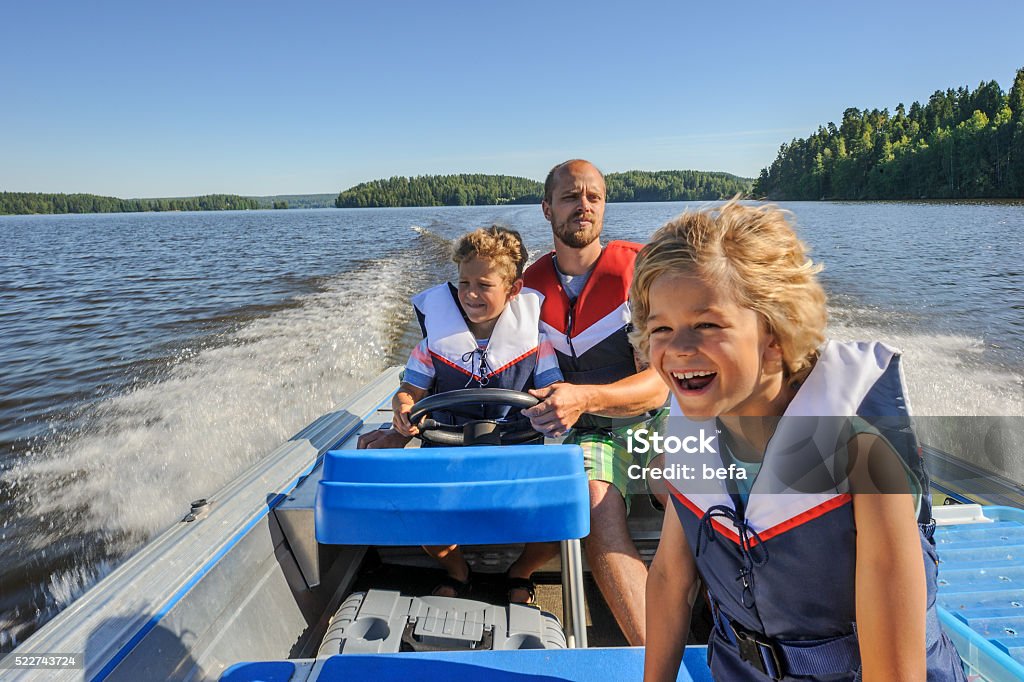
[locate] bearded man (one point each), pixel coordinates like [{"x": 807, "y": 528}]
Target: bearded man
[{"x": 607, "y": 391}]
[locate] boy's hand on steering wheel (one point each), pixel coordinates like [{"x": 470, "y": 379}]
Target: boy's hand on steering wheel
[
  {"x": 401, "y": 422},
  {"x": 401, "y": 405}
]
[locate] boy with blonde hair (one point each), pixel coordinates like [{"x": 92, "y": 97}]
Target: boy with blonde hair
[
  {"x": 483, "y": 333},
  {"x": 727, "y": 305}
]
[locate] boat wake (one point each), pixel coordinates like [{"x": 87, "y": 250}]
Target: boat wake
[
  {"x": 947, "y": 374},
  {"x": 104, "y": 489},
  {"x": 964, "y": 401}
]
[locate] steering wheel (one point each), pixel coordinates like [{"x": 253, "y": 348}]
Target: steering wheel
[{"x": 476, "y": 431}]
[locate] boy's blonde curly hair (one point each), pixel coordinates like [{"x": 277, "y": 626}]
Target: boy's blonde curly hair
[
  {"x": 500, "y": 245},
  {"x": 756, "y": 254}
]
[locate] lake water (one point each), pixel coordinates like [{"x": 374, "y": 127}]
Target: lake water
[{"x": 149, "y": 358}]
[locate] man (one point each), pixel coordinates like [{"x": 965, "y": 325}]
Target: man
[{"x": 585, "y": 314}]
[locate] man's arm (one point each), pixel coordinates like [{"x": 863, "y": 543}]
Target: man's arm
[{"x": 564, "y": 403}]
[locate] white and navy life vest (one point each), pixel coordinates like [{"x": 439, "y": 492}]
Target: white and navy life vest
[
  {"x": 780, "y": 569},
  {"x": 590, "y": 334},
  {"x": 508, "y": 361}
]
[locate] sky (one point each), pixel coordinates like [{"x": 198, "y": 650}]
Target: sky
[{"x": 161, "y": 99}]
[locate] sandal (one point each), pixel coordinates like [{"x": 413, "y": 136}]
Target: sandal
[
  {"x": 525, "y": 584},
  {"x": 460, "y": 589}
]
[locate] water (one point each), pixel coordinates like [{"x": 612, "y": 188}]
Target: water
[{"x": 149, "y": 358}]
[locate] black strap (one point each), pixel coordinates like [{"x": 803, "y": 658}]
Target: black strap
[{"x": 776, "y": 659}]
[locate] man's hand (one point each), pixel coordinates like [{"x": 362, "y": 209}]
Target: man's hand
[
  {"x": 561, "y": 406},
  {"x": 381, "y": 438}
]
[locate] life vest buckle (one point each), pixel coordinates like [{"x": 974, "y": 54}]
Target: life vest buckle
[{"x": 758, "y": 651}]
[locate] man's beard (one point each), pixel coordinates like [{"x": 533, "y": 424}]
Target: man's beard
[{"x": 577, "y": 238}]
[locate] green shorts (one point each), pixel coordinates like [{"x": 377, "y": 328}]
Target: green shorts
[{"x": 606, "y": 455}]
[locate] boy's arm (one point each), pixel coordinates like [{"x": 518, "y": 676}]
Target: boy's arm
[
  {"x": 672, "y": 586},
  {"x": 547, "y": 371},
  {"x": 890, "y": 579},
  {"x": 401, "y": 404}
]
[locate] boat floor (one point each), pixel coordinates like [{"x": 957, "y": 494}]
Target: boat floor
[{"x": 488, "y": 586}]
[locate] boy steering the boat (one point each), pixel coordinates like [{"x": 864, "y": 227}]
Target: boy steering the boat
[
  {"x": 484, "y": 333},
  {"x": 808, "y": 576}
]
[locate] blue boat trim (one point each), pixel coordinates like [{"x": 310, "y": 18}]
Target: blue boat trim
[
  {"x": 208, "y": 566},
  {"x": 523, "y": 665}
]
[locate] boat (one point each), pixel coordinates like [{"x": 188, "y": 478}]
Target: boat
[{"x": 274, "y": 577}]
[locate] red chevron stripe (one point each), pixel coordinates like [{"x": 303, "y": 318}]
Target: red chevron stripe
[
  {"x": 776, "y": 530},
  {"x": 493, "y": 372}
]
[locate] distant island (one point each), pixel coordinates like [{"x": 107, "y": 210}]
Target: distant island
[
  {"x": 475, "y": 190},
  {"x": 961, "y": 144},
  {"x": 36, "y": 202},
  {"x": 297, "y": 201}
]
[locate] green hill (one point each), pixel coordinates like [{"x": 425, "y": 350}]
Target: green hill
[
  {"x": 960, "y": 144},
  {"x": 36, "y": 202},
  {"x": 472, "y": 190},
  {"x": 297, "y": 200}
]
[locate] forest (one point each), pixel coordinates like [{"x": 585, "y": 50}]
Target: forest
[
  {"x": 960, "y": 144},
  {"x": 684, "y": 185},
  {"x": 442, "y": 190},
  {"x": 297, "y": 201},
  {"x": 35, "y": 202},
  {"x": 472, "y": 190}
]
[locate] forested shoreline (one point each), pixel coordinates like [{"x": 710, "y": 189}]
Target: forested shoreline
[
  {"x": 425, "y": 190},
  {"x": 961, "y": 144},
  {"x": 21, "y": 203},
  {"x": 441, "y": 190},
  {"x": 476, "y": 189}
]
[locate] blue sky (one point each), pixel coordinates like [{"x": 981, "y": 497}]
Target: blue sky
[{"x": 144, "y": 99}]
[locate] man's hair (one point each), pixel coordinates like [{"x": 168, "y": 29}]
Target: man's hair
[
  {"x": 500, "y": 245},
  {"x": 756, "y": 254},
  {"x": 552, "y": 178}
]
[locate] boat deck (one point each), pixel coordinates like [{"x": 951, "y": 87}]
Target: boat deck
[{"x": 981, "y": 587}]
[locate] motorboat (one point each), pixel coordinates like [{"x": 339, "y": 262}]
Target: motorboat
[{"x": 308, "y": 566}]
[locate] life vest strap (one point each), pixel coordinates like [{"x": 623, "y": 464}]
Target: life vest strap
[{"x": 777, "y": 659}]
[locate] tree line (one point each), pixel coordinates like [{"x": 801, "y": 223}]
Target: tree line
[
  {"x": 35, "y": 202},
  {"x": 297, "y": 201},
  {"x": 442, "y": 190},
  {"x": 960, "y": 144},
  {"x": 475, "y": 189},
  {"x": 684, "y": 185}
]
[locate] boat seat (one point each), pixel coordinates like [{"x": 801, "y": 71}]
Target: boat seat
[
  {"x": 462, "y": 495},
  {"x": 467, "y": 496}
]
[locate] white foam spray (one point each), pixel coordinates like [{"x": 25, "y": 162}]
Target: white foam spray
[
  {"x": 156, "y": 447},
  {"x": 944, "y": 372},
  {"x": 963, "y": 403}
]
